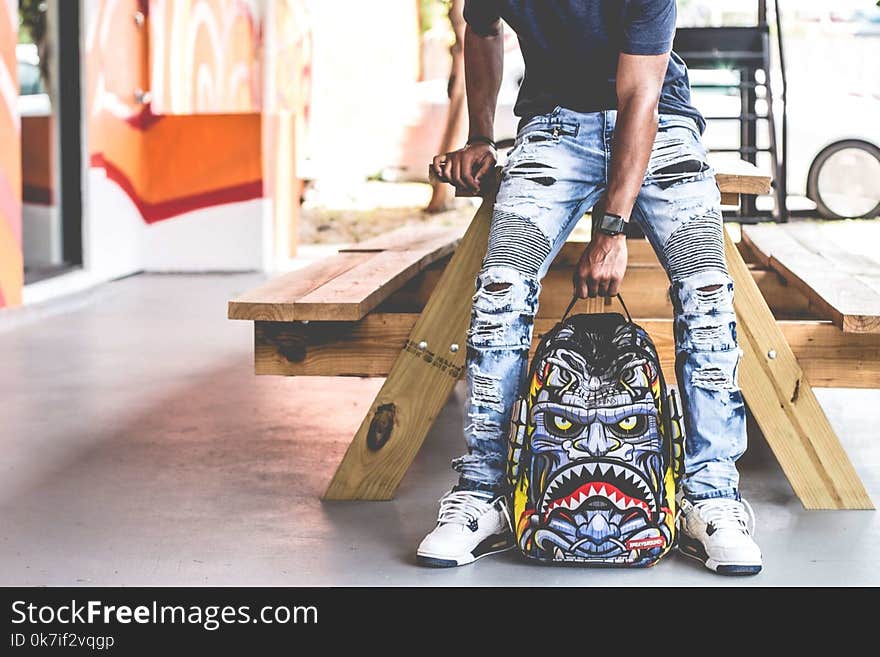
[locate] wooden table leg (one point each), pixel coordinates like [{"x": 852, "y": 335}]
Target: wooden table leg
[
  {"x": 420, "y": 380},
  {"x": 783, "y": 403}
]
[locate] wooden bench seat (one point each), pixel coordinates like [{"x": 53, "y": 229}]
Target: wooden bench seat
[
  {"x": 348, "y": 285},
  {"x": 819, "y": 260},
  {"x": 360, "y": 278}
]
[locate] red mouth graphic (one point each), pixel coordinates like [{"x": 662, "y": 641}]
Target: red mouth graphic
[{"x": 580, "y": 495}]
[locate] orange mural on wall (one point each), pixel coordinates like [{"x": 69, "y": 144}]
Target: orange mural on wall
[
  {"x": 11, "y": 267},
  {"x": 166, "y": 164},
  {"x": 204, "y": 56}
]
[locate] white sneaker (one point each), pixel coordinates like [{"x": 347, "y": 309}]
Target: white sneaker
[
  {"x": 470, "y": 525},
  {"x": 718, "y": 532}
]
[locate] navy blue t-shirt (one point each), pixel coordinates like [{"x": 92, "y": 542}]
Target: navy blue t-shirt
[{"x": 570, "y": 48}]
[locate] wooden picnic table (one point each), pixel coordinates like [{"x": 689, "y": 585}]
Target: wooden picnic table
[{"x": 398, "y": 306}]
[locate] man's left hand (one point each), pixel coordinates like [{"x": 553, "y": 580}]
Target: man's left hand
[{"x": 601, "y": 267}]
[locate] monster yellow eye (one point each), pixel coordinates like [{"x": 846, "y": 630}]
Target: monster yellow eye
[
  {"x": 561, "y": 426},
  {"x": 561, "y": 423},
  {"x": 630, "y": 427}
]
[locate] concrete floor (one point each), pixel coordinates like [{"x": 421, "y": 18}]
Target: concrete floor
[{"x": 138, "y": 448}]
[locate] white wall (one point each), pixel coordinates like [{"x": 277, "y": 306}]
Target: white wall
[
  {"x": 227, "y": 237},
  {"x": 118, "y": 242}
]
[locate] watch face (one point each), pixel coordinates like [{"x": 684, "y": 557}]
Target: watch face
[{"x": 611, "y": 224}]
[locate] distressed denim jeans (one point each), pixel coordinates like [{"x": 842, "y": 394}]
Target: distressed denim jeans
[{"x": 556, "y": 171}]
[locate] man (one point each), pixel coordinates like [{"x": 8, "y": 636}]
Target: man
[{"x": 607, "y": 123}]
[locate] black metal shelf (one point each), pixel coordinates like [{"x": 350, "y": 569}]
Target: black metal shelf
[{"x": 745, "y": 50}]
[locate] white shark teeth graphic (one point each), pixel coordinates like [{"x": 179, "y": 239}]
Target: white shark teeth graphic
[
  {"x": 606, "y": 473},
  {"x": 639, "y": 483}
]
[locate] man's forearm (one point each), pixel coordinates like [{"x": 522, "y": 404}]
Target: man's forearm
[
  {"x": 634, "y": 135},
  {"x": 639, "y": 82},
  {"x": 483, "y": 66}
]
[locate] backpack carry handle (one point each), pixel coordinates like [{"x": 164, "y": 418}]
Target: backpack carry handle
[{"x": 575, "y": 297}]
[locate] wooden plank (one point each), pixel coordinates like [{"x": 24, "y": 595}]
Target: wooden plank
[
  {"x": 729, "y": 198},
  {"x": 351, "y": 295},
  {"x": 748, "y": 254},
  {"x": 829, "y": 276},
  {"x": 831, "y": 358},
  {"x": 409, "y": 237},
  {"x": 355, "y": 292},
  {"x": 784, "y": 405},
  {"x": 419, "y": 381},
  {"x": 871, "y": 281},
  {"x": 644, "y": 286},
  {"x": 732, "y": 176},
  {"x": 273, "y": 301},
  {"x": 639, "y": 251},
  {"x": 644, "y": 289},
  {"x": 828, "y": 357},
  {"x": 781, "y": 252},
  {"x": 746, "y": 245},
  {"x": 838, "y": 242},
  {"x": 740, "y": 177}
]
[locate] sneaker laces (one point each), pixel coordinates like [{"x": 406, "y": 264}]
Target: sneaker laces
[
  {"x": 726, "y": 513},
  {"x": 465, "y": 507}
]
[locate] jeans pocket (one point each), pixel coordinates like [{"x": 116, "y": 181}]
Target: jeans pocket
[
  {"x": 548, "y": 130},
  {"x": 678, "y": 154}
]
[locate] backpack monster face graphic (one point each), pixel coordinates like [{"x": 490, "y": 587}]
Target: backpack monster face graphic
[{"x": 588, "y": 457}]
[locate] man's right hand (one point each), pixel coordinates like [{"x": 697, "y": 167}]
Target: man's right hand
[{"x": 465, "y": 167}]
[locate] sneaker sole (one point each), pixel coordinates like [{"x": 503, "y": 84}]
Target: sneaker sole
[
  {"x": 692, "y": 548},
  {"x": 494, "y": 544}
]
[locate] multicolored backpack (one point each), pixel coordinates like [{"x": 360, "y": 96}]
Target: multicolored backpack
[{"x": 595, "y": 447}]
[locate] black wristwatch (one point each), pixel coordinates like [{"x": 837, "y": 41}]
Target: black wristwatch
[{"x": 611, "y": 224}]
